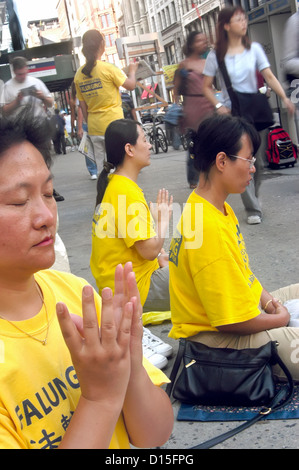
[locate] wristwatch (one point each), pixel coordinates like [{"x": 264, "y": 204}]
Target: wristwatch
[{"x": 218, "y": 105}]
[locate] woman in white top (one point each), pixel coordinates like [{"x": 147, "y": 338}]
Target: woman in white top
[{"x": 242, "y": 59}]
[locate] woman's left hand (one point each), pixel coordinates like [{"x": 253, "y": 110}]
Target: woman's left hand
[
  {"x": 163, "y": 258},
  {"x": 289, "y": 105},
  {"x": 126, "y": 290}
]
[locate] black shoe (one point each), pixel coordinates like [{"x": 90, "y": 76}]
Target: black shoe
[{"x": 57, "y": 196}]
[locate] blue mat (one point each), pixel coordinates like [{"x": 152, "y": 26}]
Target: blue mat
[{"x": 226, "y": 413}]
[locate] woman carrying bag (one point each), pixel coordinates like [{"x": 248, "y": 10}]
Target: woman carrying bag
[{"x": 240, "y": 59}]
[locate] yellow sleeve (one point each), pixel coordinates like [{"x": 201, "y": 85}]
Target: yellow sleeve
[
  {"x": 156, "y": 375},
  {"x": 118, "y": 76}
]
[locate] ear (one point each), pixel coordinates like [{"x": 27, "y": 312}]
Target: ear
[
  {"x": 221, "y": 161},
  {"x": 226, "y": 27},
  {"x": 128, "y": 150}
]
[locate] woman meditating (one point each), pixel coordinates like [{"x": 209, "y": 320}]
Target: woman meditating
[
  {"x": 65, "y": 383},
  {"x": 215, "y": 297},
  {"x": 124, "y": 227}
]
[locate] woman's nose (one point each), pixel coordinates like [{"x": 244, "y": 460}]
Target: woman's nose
[{"x": 45, "y": 213}]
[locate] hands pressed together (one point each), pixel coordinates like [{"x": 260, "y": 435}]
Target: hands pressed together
[
  {"x": 109, "y": 365},
  {"x": 162, "y": 211},
  {"x": 104, "y": 357}
]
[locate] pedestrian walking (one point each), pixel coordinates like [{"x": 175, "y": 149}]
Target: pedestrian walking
[
  {"x": 23, "y": 90},
  {"x": 188, "y": 81},
  {"x": 78, "y": 126},
  {"x": 242, "y": 60},
  {"x": 58, "y": 126},
  {"x": 26, "y": 94}
]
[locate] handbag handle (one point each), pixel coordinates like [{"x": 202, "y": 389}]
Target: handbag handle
[{"x": 176, "y": 366}]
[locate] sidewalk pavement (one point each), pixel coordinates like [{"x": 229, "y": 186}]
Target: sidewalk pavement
[{"x": 273, "y": 248}]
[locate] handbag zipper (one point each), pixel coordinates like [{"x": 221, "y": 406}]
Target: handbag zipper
[
  {"x": 220, "y": 364},
  {"x": 190, "y": 363}
]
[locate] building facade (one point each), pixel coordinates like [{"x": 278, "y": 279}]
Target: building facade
[{"x": 78, "y": 16}]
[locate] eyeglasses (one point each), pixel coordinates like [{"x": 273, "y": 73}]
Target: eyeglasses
[
  {"x": 251, "y": 161},
  {"x": 239, "y": 19}
]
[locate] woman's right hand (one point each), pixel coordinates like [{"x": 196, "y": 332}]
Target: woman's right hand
[
  {"x": 101, "y": 357},
  {"x": 133, "y": 66},
  {"x": 279, "y": 309},
  {"x": 162, "y": 209}
]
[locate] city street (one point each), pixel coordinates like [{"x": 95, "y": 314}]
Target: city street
[{"x": 273, "y": 249}]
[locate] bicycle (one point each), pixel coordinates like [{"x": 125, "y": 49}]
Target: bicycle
[{"x": 156, "y": 136}]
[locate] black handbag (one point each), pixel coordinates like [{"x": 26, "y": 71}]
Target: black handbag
[
  {"x": 254, "y": 107},
  {"x": 231, "y": 377}
]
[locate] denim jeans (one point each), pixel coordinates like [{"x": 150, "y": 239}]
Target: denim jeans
[{"x": 91, "y": 166}]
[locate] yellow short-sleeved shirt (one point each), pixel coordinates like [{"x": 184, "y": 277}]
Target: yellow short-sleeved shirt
[
  {"x": 101, "y": 94},
  {"x": 122, "y": 218},
  {"x": 39, "y": 389},
  {"x": 211, "y": 283}
]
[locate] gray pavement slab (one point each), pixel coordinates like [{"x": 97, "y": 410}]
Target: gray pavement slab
[{"x": 273, "y": 248}]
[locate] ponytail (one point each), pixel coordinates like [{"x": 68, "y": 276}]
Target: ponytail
[
  {"x": 92, "y": 42},
  {"x": 117, "y": 135},
  {"x": 102, "y": 182}
]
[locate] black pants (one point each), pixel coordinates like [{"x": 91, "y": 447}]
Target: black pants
[{"x": 59, "y": 144}]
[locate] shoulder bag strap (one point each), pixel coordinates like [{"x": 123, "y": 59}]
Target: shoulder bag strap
[
  {"x": 281, "y": 399},
  {"x": 228, "y": 84},
  {"x": 176, "y": 366}
]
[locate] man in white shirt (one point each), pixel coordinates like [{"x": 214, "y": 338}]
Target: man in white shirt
[{"x": 25, "y": 91}]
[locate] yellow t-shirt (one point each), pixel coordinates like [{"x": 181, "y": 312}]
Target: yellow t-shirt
[
  {"x": 122, "y": 218},
  {"x": 211, "y": 283},
  {"x": 39, "y": 388},
  {"x": 101, "y": 94}
]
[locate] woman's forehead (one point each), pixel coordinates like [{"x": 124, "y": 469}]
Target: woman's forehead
[{"x": 21, "y": 156}]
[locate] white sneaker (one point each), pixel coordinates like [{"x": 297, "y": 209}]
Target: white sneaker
[
  {"x": 93, "y": 177},
  {"x": 254, "y": 219},
  {"x": 156, "y": 343},
  {"x": 157, "y": 360}
]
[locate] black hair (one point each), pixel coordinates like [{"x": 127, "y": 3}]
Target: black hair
[
  {"x": 188, "y": 46},
  {"x": 25, "y": 127},
  {"x": 117, "y": 135},
  {"x": 220, "y": 133},
  {"x": 224, "y": 17},
  {"x": 92, "y": 41}
]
